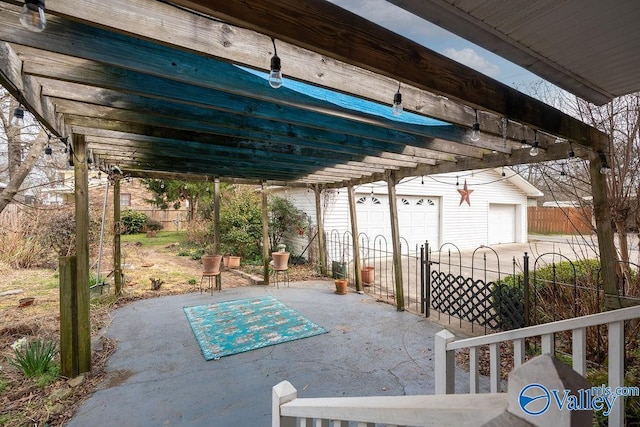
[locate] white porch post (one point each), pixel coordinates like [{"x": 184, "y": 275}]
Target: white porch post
[{"x": 445, "y": 363}]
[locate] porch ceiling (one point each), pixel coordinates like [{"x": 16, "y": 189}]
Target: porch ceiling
[{"x": 164, "y": 91}]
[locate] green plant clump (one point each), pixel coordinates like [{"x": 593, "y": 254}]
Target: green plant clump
[
  {"x": 133, "y": 221},
  {"x": 153, "y": 225},
  {"x": 35, "y": 358}
]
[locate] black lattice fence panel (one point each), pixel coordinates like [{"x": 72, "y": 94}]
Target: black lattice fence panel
[{"x": 476, "y": 302}]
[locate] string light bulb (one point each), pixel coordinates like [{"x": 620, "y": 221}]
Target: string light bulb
[
  {"x": 475, "y": 129},
  {"x": 503, "y": 173},
  {"x": 605, "y": 169},
  {"x": 397, "y": 107},
  {"x": 275, "y": 76},
  {"x": 32, "y": 16},
  {"x": 48, "y": 154},
  {"x": 571, "y": 153},
  {"x": 18, "y": 116},
  {"x": 534, "y": 147}
]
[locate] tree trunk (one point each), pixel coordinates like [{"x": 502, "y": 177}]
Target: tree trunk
[
  {"x": 14, "y": 144},
  {"x": 37, "y": 150}
]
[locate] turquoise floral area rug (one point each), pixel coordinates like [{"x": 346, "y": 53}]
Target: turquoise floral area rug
[{"x": 232, "y": 327}]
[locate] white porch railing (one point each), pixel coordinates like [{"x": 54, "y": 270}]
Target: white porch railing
[
  {"x": 460, "y": 410},
  {"x": 391, "y": 411},
  {"x": 446, "y": 345}
]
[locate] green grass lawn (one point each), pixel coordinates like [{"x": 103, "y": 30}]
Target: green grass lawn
[{"x": 163, "y": 238}]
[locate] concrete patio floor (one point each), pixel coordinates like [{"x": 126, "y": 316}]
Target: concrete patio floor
[{"x": 158, "y": 376}]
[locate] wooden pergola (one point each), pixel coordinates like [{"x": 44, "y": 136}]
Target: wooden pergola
[{"x": 178, "y": 89}]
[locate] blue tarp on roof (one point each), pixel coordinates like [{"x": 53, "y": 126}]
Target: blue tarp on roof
[{"x": 350, "y": 102}]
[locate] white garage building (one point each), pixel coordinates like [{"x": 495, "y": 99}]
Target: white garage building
[{"x": 430, "y": 208}]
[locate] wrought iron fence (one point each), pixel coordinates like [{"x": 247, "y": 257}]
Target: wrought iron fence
[
  {"x": 377, "y": 252},
  {"x": 476, "y": 287}
]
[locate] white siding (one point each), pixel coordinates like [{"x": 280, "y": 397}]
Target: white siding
[
  {"x": 304, "y": 200},
  {"x": 463, "y": 225}
]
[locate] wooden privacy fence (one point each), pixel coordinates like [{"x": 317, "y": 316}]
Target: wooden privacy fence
[
  {"x": 559, "y": 220},
  {"x": 171, "y": 219}
]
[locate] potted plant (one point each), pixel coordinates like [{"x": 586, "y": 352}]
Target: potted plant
[
  {"x": 280, "y": 258},
  {"x": 232, "y": 261},
  {"x": 210, "y": 261},
  {"x": 341, "y": 286},
  {"x": 368, "y": 274}
]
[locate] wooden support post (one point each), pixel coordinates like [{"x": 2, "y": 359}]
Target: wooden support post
[
  {"x": 395, "y": 237},
  {"x": 68, "y": 309},
  {"x": 320, "y": 223},
  {"x": 81, "y": 288},
  {"x": 354, "y": 238},
  {"x": 265, "y": 232},
  {"x": 117, "y": 254},
  {"x": 604, "y": 230},
  {"x": 216, "y": 226}
]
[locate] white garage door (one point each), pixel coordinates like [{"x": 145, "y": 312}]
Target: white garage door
[
  {"x": 418, "y": 218},
  {"x": 502, "y": 224}
]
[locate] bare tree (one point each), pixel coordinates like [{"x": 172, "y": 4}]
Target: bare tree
[
  {"x": 22, "y": 153},
  {"x": 620, "y": 119}
]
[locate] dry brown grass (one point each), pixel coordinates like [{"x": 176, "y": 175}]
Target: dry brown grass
[{"x": 22, "y": 402}]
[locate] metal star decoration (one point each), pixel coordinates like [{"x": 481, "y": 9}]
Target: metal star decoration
[{"x": 464, "y": 194}]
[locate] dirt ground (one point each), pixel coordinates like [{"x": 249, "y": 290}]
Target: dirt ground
[{"x": 25, "y": 403}]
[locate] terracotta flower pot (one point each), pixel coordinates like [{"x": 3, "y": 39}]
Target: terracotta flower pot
[
  {"x": 280, "y": 260},
  {"x": 341, "y": 286},
  {"x": 234, "y": 262},
  {"x": 211, "y": 263},
  {"x": 368, "y": 275}
]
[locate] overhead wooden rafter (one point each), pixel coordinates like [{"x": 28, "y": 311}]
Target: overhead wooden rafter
[{"x": 169, "y": 102}]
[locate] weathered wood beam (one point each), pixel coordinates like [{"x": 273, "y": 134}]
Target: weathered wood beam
[
  {"x": 146, "y": 152},
  {"x": 114, "y": 153},
  {"x": 355, "y": 244},
  {"x": 604, "y": 228},
  {"x": 85, "y": 72},
  {"x": 283, "y": 148},
  {"x": 216, "y": 225},
  {"x": 518, "y": 157},
  {"x": 227, "y": 162},
  {"x": 322, "y": 256},
  {"x": 265, "y": 233},
  {"x": 153, "y": 174},
  {"x": 238, "y": 169},
  {"x": 81, "y": 100},
  {"x": 27, "y": 91},
  {"x": 81, "y": 190},
  {"x": 350, "y": 38},
  {"x": 68, "y": 317},
  {"x": 117, "y": 230},
  {"x": 142, "y": 18},
  {"x": 231, "y": 176},
  {"x": 249, "y": 155},
  {"x": 395, "y": 239}
]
